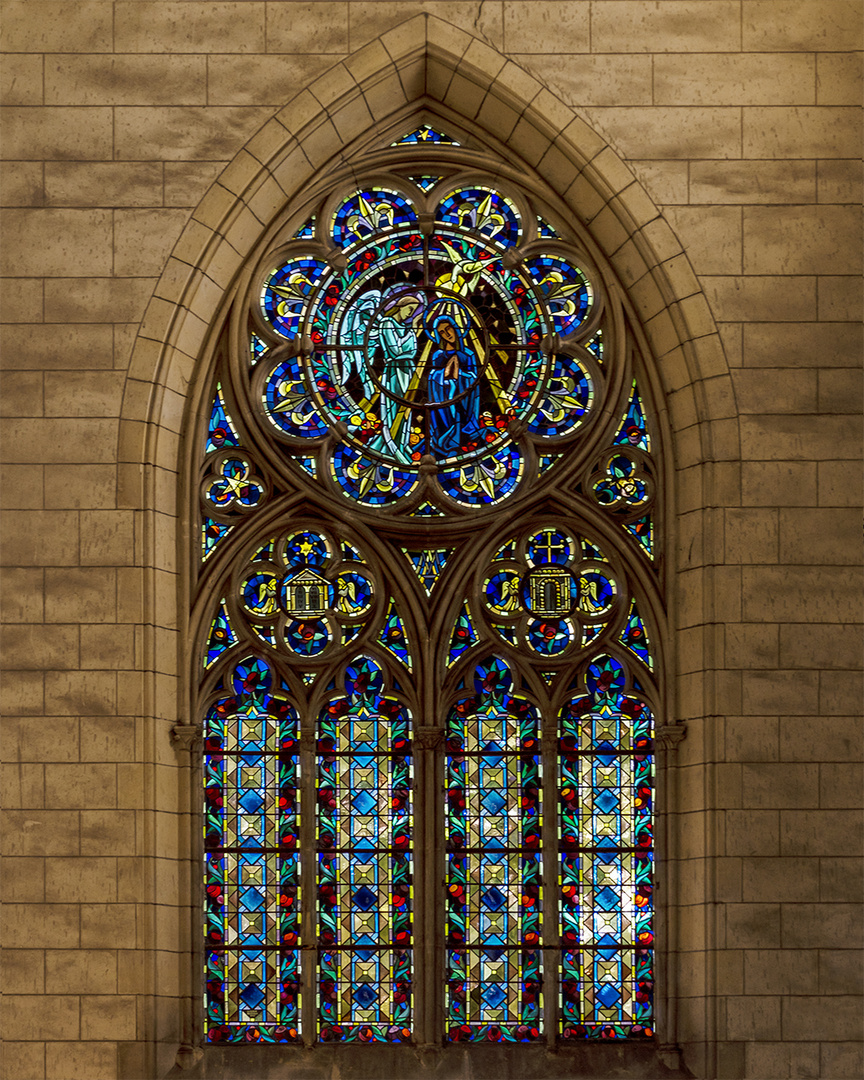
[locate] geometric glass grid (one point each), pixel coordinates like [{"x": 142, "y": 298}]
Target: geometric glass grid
[
  {"x": 605, "y": 861},
  {"x": 251, "y": 862},
  {"x": 364, "y": 870},
  {"x": 493, "y": 822}
]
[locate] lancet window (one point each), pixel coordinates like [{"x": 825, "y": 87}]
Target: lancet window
[{"x": 429, "y": 567}]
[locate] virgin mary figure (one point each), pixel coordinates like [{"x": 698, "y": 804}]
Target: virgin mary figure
[{"x": 452, "y": 382}]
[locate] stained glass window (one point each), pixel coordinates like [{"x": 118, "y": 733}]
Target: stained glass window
[{"x": 429, "y": 613}]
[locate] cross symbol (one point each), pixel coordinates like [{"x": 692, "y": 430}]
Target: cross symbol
[{"x": 550, "y": 546}]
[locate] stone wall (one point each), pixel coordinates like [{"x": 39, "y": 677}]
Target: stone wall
[{"x": 728, "y": 128}]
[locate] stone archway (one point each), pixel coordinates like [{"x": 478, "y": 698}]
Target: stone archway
[{"x": 423, "y": 68}]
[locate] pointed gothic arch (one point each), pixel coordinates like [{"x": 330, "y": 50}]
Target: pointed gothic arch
[{"x": 433, "y": 72}]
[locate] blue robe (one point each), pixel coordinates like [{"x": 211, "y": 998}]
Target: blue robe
[{"x": 452, "y": 425}]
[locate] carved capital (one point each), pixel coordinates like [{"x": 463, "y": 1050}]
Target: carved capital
[
  {"x": 187, "y": 736},
  {"x": 426, "y": 221},
  {"x": 188, "y": 1056},
  {"x": 670, "y": 735},
  {"x": 669, "y": 1055},
  {"x": 428, "y": 738}
]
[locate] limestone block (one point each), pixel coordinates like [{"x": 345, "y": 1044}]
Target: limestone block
[
  {"x": 840, "y": 298},
  {"x": 840, "y": 784},
  {"x": 107, "y": 738},
  {"x": 595, "y": 80},
  {"x": 21, "y": 487},
  {"x": 39, "y": 538},
  {"x": 838, "y": 79},
  {"x": 790, "y": 879},
  {"x": 80, "y": 1061},
  {"x": 73, "y": 693},
  {"x": 69, "y": 183},
  {"x": 815, "y": 1017},
  {"x": 126, "y": 80},
  {"x": 751, "y": 536},
  {"x": 753, "y": 926},
  {"x": 192, "y": 27},
  {"x": 320, "y": 27},
  {"x": 800, "y": 24},
  {"x": 667, "y": 181},
  {"x": 820, "y": 832},
  {"x": 751, "y": 645},
  {"x": 56, "y": 243},
  {"x": 774, "y": 785},
  {"x": 75, "y": 486},
  {"x": 21, "y": 183},
  {"x": 711, "y": 236},
  {"x": 80, "y": 971},
  {"x": 755, "y": 299},
  {"x": 21, "y": 79},
  {"x": 544, "y": 26},
  {"x": 22, "y": 394},
  {"x": 800, "y": 437},
  {"x": 674, "y": 131},
  {"x": 108, "y": 1018},
  {"x": 840, "y": 391},
  {"x": 21, "y": 590},
  {"x": 842, "y": 1059},
  {"x": 187, "y": 181},
  {"x": 752, "y": 832},
  {"x": 262, "y": 80},
  {"x": 839, "y": 181},
  {"x": 183, "y": 133},
  {"x": 143, "y": 240},
  {"x": 39, "y": 832},
  {"x": 753, "y": 1018},
  {"x": 838, "y": 483},
  {"x": 806, "y": 131},
  {"x": 82, "y": 785},
  {"x": 32, "y": 647},
  {"x": 735, "y": 79},
  {"x": 80, "y": 594},
  {"x": 799, "y": 1060},
  {"x": 820, "y": 536},
  {"x": 819, "y": 645},
  {"x": 23, "y": 786},
  {"x": 83, "y": 393},
  {"x": 52, "y": 1016},
  {"x": 801, "y": 345},
  {"x": 107, "y": 538},
  {"x": 751, "y": 738},
  {"x": 108, "y": 646},
  {"x": 23, "y": 971},
  {"x": 371, "y": 20},
  {"x": 107, "y": 832},
  {"x": 54, "y": 26},
  {"x": 84, "y": 440},
  {"x": 20, "y": 301},
  {"x": 81, "y": 880},
  {"x": 751, "y": 182},
  {"x": 768, "y": 390},
  {"x": 778, "y": 483},
  {"x": 23, "y": 1059},
  {"x": 802, "y": 240},
  {"x": 824, "y": 739},
  {"x": 35, "y": 132},
  {"x": 23, "y": 693},
  {"x": 775, "y": 971}
]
